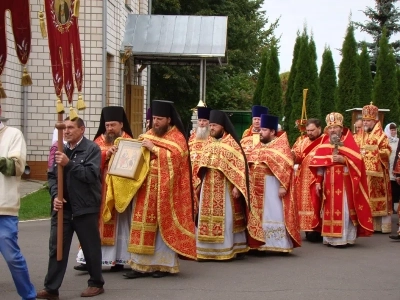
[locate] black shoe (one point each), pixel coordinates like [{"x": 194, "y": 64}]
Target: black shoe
[
  {"x": 313, "y": 236},
  {"x": 116, "y": 268},
  {"x": 81, "y": 267},
  {"x": 159, "y": 274},
  {"x": 240, "y": 256},
  {"x": 394, "y": 237},
  {"x": 135, "y": 274}
]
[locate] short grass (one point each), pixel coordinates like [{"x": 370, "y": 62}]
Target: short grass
[{"x": 35, "y": 205}]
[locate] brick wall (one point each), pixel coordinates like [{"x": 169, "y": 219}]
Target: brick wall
[{"x": 41, "y": 99}]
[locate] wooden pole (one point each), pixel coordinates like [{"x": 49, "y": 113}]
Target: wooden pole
[{"x": 60, "y": 184}]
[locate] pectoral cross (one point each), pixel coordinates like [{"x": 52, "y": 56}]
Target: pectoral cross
[{"x": 335, "y": 140}]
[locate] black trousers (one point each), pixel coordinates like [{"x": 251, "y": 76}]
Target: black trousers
[
  {"x": 395, "y": 192},
  {"x": 87, "y": 230}
]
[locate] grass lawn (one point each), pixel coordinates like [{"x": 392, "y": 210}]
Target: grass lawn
[{"x": 35, "y": 205}]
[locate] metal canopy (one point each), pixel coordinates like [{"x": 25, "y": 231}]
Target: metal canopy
[{"x": 161, "y": 39}]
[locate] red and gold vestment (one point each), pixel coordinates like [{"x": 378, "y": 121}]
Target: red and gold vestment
[
  {"x": 225, "y": 168},
  {"x": 196, "y": 149},
  {"x": 274, "y": 159},
  {"x": 249, "y": 142},
  {"x": 375, "y": 151},
  {"x": 338, "y": 180},
  {"x": 164, "y": 201},
  {"x": 107, "y": 229},
  {"x": 308, "y": 202}
]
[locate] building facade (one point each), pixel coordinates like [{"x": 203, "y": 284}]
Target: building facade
[{"x": 107, "y": 80}]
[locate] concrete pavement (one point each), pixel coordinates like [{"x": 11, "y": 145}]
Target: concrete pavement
[
  {"x": 367, "y": 270},
  {"x": 30, "y": 186}
]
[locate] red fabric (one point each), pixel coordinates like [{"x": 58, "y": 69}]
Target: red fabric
[
  {"x": 21, "y": 27},
  {"x": 65, "y": 50},
  {"x": 356, "y": 187}
]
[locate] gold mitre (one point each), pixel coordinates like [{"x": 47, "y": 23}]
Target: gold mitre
[
  {"x": 370, "y": 112},
  {"x": 334, "y": 119}
]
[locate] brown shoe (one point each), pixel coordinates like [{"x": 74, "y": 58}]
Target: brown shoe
[
  {"x": 43, "y": 294},
  {"x": 92, "y": 291}
]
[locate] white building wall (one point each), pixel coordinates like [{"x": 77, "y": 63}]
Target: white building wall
[{"x": 41, "y": 112}]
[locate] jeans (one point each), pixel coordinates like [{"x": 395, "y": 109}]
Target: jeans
[{"x": 12, "y": 254}]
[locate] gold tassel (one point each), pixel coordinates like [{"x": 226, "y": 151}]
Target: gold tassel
[
  {"x": 72, "y": 113},
  {"x": 59, "y": 106},
  {"x": 26, "y": 78},
  {"x": 80, "y": 105},
  {"x": 42, "y": 24},
  {"x": 2, "y": 92},
  {"x": 77, "y": 4}
]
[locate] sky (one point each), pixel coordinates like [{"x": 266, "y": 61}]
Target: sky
[{"x": 326, "y": 19}]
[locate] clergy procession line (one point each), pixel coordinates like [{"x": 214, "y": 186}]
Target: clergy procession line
[{"x": 214, "y": 196}]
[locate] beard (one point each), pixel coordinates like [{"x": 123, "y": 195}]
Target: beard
[
  {"x": 160, "y": 131},
  {"x": 265, "y": 139},
  {"x": 367, "y": 129},
  {"x": 110, "y": 137},
  {"x": 202, "y": 133},
  {"x": 217, "y": 134}
]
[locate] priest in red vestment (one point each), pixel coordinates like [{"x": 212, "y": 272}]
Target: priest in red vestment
[
  {"x": 114, "y": 233},
  {"x": 222, "y": 185},
  {"x": 273, "y": 218},
  {"x": 340, "y": 177},
  {"x": 251, "y": 136},
  {"x": 375, "y": 151},
  {"x": 162, "y": 215},
  {"x": 308, "y": 202}
]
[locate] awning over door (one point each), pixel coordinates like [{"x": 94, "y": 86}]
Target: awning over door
[{"x": 165, "y": 39}]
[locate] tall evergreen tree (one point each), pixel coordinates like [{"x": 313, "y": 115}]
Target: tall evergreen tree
[
  {"x": 349, "y": 76},
  {"x": 290, "y": 86},
  {"x": 272, "y": 92},
  {"x": 365, "y": 82},
  {"x": 327, "y": 83},
  {"x": 261, "y": 79},
  {"x": 231, "y": 86},
  {"x": 398, "y": 82},
  {"x": 306, "y": 78},
  {"x": 387, "y": 15},
  {"x": 300, "y": 83},
  {"x": 314, "y": 91},
  {"x": 385, "y": 93}
]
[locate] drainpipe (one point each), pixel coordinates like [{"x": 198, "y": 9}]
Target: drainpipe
[
  {"x": 25, "y": 113},
  {"x": 150, "y": 7},
  {"x": 104, "y": 77}
]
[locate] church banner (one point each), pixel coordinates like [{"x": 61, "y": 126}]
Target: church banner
[
  {"x": 21, "y": 28},
  {"x": 65, "y": 51}
]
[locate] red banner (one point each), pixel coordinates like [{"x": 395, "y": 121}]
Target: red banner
[
  {"x": 65, "y": 48},
  {"x": 21, "y": 27}
]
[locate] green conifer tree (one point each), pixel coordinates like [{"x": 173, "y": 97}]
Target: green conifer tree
[
  {"x": 385, "y": 94},
  {"x": 327, "y": 83},
  {"x": 272, "y": 92},
  {"x": 385, "y": 14},
  {"x": 314, "y": 92},
  {"x": 349, "y": 76},
  {"x": 261, "y": 79},
  {"x": 365, "y": 82},
  {"x": 296, "y": 91},
  {"x": 290, "y": 86}
]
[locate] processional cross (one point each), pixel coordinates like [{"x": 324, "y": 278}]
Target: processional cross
[{"x": 335, "y": 141}]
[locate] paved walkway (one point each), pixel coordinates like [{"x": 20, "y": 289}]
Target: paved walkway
[{"x": 30, "y": 186}]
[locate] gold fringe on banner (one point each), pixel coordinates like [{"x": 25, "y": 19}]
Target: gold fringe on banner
[
  {"x": 26, "y": 78},
  {"x": 42, "y": 24},
  {"x": 77, "y": 5},
  {"x": 2, "y": 92},
  {"x": 72, "y": 113},
  {"x": 59, "y": 106},
  {"x": 80, "y": 105}
]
